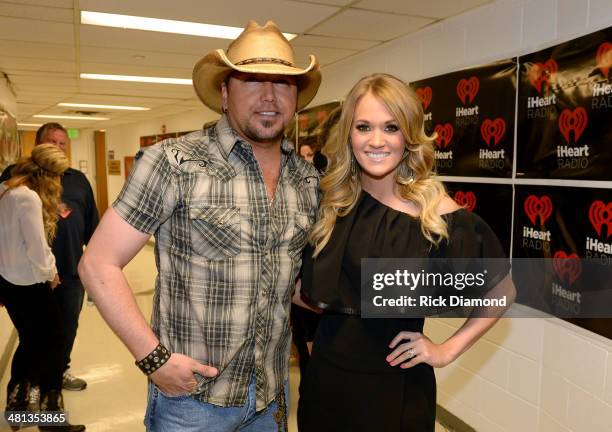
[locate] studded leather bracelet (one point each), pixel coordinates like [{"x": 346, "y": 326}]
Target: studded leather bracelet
[{"x": 154, "y": 360}]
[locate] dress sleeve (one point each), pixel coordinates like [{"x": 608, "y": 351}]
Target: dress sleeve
[
  {"x": 474, "y": 248},
  {"x": 148, "y": 196},
  {"x": 29, "y": 214}
]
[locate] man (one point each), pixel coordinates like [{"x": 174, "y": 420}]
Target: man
[
  {"x": 230, "y": 207},
  {"x": 77, "y": 222}
]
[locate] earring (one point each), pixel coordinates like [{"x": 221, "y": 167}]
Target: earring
[
  {"x": 353, "y": 167},
  {"x": 224, "y": 109}
]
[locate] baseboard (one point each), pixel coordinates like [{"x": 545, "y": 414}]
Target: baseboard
[{"x": 451, "y": 422}]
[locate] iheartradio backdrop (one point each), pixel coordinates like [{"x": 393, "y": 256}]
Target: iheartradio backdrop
[
  {"x": 563, "y": 120},
  {"x": 472, "y": 112},
  {"x": 565, "y": 110}
]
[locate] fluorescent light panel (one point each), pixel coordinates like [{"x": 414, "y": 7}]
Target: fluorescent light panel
[
  {"x": 66, "y": 117},
  {"x": 29, "y": 124},
  {"x": 163, "y": 25},
  {"x": 131, "y": 78},
  {"x": 111, "y": 107}
]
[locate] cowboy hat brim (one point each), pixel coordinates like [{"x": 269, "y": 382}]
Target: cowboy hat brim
[{"x": 210, "y": 72}]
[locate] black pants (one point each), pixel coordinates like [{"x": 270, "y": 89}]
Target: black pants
[
  {"x": 39, "y": 355},
  {"x": 69, "y": 296}
]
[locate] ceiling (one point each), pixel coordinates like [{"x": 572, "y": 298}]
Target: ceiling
[{"x": 44, "y": 47}]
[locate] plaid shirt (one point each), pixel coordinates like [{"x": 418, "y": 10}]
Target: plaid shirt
[{"x": 227, "y": 258}]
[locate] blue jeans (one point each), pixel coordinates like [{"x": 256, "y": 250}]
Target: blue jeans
[{"x": 184, "y": 413}]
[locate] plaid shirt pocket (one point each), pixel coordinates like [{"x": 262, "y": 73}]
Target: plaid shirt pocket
[
  {"x": 215, "y": 231},
  {"x": 302, "y": 225}
]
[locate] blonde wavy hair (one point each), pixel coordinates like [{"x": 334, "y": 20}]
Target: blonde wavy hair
[
  {"x": 341, "y": 186},
  {"x": 41, "y": 172}
]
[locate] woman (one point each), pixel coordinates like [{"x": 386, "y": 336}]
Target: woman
[
  {"x": 29, "y": 211},
  {"x": 380, "y": 200}
]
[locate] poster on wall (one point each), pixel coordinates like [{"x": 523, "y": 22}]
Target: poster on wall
[
  {"x": 472, "y": 113},
  {"x": 564, "y": 110},
  {"x": 9, "y": 140},
  {"x": 310, "y": 125},
  {"x": 562, "y": 252},
  {"x": 492, "y": 202}
]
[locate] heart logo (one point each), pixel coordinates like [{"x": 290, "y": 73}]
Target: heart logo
[
  {"x": 493, "y": 129},
  {"x": 600, "y": 214},
  {"x": 604, "y": 58},
  {"x": 535, "y": 207},
  {"x": 467, "y": 89},
  {"x": 573, "y": 121},
  {"x": 444, "y": 135},
  {"x": 466, "y": 200},
  {"x": 567, "y": 267},
  {"x": 424, "y": 94},
  {"x": 542, "y": 73}
]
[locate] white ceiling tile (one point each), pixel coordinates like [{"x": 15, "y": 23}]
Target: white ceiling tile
[
  {"x": 429, "y": 8},
  {"x": 119, "y": 69},
  {"x": 147, "y": 41},
  {"x": 331, "y": 42},
  {"x": 361, "y": 24},
  {"x": 323, "y": 55},
  {"x": 294, "y": 17},
  {"x": 36, "y": 50},
  {"x": 327, "y": 2},
  {"x": 20, "y": 29},
  {"x": 41, "y": 66},
  {"x": 66, "y": 4},
  {"x": 36, "y": 12},
  {"x": 135, "y": 57}
]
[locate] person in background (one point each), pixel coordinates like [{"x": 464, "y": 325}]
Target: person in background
[
  {"x": 230, "y": 207},
  {"x": 381, "y": 200},
  {"x": 306, "y": 152},
  {"x": 77, "y": 222},
  {"x": 28, "y": 274}
]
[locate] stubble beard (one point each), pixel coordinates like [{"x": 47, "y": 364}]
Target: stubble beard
[{"x": 266, "y": 131}]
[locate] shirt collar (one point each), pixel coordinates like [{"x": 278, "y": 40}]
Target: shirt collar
[{"x": 227, "y": 139}]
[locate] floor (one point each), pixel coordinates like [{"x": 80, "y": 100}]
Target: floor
[{"x": 115, "y": 397}]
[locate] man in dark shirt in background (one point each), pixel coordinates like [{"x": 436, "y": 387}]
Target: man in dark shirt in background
[{"x": 78, "y": 219}]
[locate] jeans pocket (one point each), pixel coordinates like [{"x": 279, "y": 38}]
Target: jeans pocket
[{"x": 215, "y": 232}]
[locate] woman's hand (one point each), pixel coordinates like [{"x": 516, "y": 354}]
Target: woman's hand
[
  {"x": 418, "y": 349},
  {"x": 55, "y": 282}
]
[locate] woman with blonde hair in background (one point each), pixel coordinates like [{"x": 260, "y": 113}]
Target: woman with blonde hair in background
[
  {"x": 29, "y": 213},
  {"x": 381, "y": 200}
]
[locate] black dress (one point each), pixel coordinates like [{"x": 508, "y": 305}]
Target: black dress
[{"x": 348, "y": 385}]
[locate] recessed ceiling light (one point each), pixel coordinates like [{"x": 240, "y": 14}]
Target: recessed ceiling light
[
  {"x": 158, "y": 80},
  {"x": 111, "y": 107},
  {"x": 163, "y": 25},
  {"x": 69, "y": 117}
]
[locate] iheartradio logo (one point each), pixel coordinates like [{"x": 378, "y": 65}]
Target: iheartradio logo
[
  {"x": 467, "y": 89},
  {"x": 600, "y": 214},
  {"x": 567, "y": 267},
  {"x": 493, "y": 129},
  {"x": 538, "y": 207},
  {"x": 425, "y": 95},
  {"x": 445, "y": 135},
  {"x": 575, "y": 121},
  {"x": 604, "y": 58},
  {"x": 542, "y": 73},
  {"x": 466, "y": 200}
]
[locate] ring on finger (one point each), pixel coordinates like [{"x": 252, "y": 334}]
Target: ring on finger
[{"x": 411, "y": 353}]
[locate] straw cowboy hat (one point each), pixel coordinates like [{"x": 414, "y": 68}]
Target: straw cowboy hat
[{"x": 262, "y": 50}]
